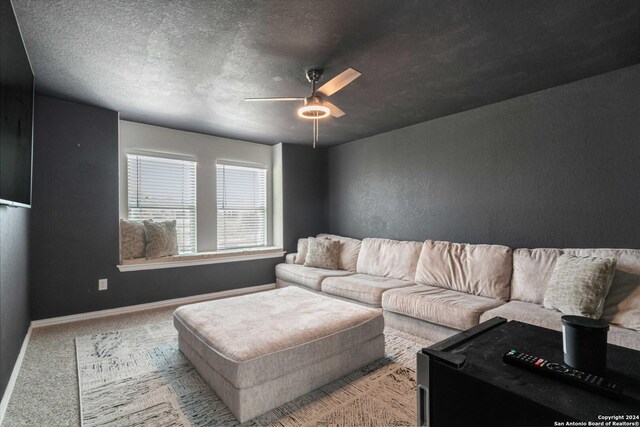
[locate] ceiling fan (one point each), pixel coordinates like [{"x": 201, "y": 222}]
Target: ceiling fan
[{"x": 315, "y": 107}]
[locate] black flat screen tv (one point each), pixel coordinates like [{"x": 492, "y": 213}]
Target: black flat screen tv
[{"x": 16, "y": 110}]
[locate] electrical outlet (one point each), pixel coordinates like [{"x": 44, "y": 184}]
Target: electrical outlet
[{"x": 102, "y": 284}]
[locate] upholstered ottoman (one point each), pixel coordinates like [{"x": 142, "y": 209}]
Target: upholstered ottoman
[{"x": 261, "y": 350}]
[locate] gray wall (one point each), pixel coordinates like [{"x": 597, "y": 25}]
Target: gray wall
[
  {"x": 14, "y": 280},
  {"x": 305, "y": 193},
  {"x": 557, "y": 168},
  {"x": 74, "y": 223}
]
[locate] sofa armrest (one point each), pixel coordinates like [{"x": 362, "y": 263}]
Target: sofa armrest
[{"x": 290, "y": 258}]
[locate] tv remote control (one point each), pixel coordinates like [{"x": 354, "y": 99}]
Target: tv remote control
[{"x": 564, "y": 373}]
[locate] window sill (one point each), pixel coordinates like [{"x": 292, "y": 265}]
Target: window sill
[{"x": 201, "y": 258}]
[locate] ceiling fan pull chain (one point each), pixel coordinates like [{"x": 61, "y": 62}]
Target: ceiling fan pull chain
[{"x": 315, "y": 132}]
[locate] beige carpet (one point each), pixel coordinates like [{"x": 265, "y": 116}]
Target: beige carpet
[
  {"x": 46, "y": 390},
  {"x": 139, "y": 377}
]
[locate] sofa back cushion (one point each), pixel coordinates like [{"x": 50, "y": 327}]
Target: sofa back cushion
[
  {"x": 389, "y": 258},
  {"x": 474, "y": 269},
  {"x": 626, "y": 259},
  {"x": 532, "y": 269},
  {"x": 349, "y": 251}
]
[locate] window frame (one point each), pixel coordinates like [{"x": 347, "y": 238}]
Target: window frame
[
  {"x": 171, "y": 157},
  {"x": 206, "y": 150},
  {"x": 267, "y": 203}
]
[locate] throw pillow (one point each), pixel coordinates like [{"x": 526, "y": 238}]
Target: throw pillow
[
  {"x": 132, "y": 239},
  {"x": 579, "y": 285},
  {"x": 349, "y": 251},
  {"x": 303, "y": 245},
  {"x": 322, "y": 253},
  {"x": 162, "y": 238}
]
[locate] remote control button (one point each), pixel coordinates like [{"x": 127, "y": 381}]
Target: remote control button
[{"x": 557, "y": 367}]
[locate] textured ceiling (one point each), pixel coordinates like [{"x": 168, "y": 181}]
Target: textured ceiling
[{"x": 189, "y": 64}]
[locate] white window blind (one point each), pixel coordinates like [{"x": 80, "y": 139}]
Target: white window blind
[
  {"x": 164, "y": 189},
  {"x": 242, "y": 206}
]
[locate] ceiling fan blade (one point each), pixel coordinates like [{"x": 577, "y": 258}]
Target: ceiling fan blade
[
  {"x": 339, "y": 81},
  {"x": 335, "y": 111},
  {"x": 273, "y": 99}
]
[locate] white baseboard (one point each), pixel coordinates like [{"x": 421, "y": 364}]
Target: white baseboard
[
  {"x": 149, "y": 306},
  {"x": 14, "y": 376}
]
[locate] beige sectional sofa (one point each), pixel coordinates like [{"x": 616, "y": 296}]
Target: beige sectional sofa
[
  {"x": 436, "y": 289},
  {"x": 531, "y": 271},
  {"x": 380, "y": 265}
]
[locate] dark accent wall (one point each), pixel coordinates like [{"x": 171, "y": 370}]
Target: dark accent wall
[
  {"x": 14, "y": 280},
  {"x": 305, "y": 193},
  {"x": 74, "y": 223},
  {"x": 556, "y": 168}
]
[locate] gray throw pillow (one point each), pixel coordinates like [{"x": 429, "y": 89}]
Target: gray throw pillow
[
  {"x": 579, "y": 285},
  {"x": 162, "y": 238},
  {"x": 322, "y": 253},
  {"x": 133, "y": 242}
]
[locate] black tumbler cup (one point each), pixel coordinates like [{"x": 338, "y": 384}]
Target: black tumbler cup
[{"x": 584, "y": 343}]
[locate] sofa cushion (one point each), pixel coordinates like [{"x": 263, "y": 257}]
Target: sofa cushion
[
  {"x": 538, "y": 315},
  {"x": 349, "y": 251},
  {"x": 626, "y": 259},
  {"x": 433, "y": 304},
  {"x": 483, "y": 270},
  {"x": 624, "y": 337},
  {"x": 532, "y": 269},
  {"x": 389, "y": 258},
  {"x": 526, "y": 312},
  {"x": 362, "y": 287},
  {"x": 579, "y": 285},
  {"x": 309, "y": 277}
]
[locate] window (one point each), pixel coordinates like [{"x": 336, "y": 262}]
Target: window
[
  {"x": 242, "y": 206},
  {"x": 164, "y": 189}
]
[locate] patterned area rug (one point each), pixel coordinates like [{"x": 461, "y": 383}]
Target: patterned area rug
[{"x": 139, "y": 377}]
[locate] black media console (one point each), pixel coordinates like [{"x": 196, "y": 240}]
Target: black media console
[{"x": 464, "y": 381}]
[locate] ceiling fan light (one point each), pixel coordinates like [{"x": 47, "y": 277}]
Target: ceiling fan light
[{"x": 313, "y": 112}]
